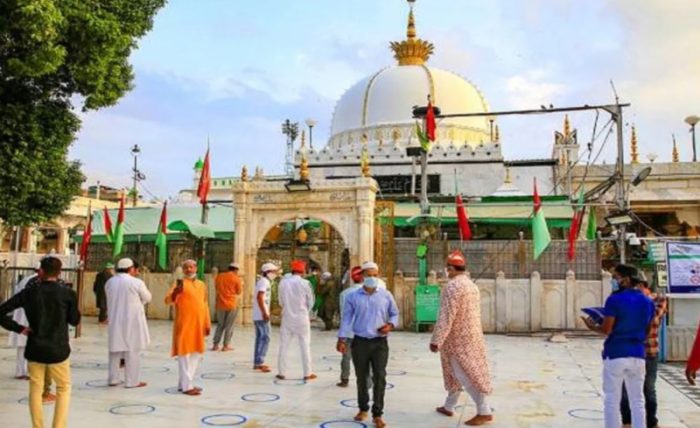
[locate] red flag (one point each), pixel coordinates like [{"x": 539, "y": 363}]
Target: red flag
[
  {"x": 575, "y": 226},
  {"x": 107, "y": 224},
  {"x": 536, "y": 201},
  {"x": 430, "y": 121},
  {"x": 87, "y": 235},
  {"x": 462, "y": 220},
  {"x": 204, "y": 181}
]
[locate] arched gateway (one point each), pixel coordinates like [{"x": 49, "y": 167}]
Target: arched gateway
[{"x": 345, "y": 204}]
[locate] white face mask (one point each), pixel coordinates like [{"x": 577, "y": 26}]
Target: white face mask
[
  {"x": 271, "y": 276},
  {"x": 371, "y": 282}
]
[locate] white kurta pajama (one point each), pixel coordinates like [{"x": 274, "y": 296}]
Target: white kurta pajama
[
  {"x": 460, "y": 339},
  {"x": 296, "y": 299},
  {"x": 127, "y": 328},
  {"x": 16, "y": 340}
]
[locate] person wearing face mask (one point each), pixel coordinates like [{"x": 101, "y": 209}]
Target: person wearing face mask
[
  {"x": 628, "y": 314},
  {"x": 356, "y": 279},
  {"x": 369, "y": 314},
  {"x": 459, "y": 338},
  {"x": 296, "y": 299},
  {"x": 191, "y": 326},
  {"x": 370, "y": 268},
  {"x": 261, "y": 315}
]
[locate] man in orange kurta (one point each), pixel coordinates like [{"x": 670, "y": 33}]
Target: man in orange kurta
[
  {"x": 192, "y": 325},
  {"x": 228, "y": 287},
  {"x": 459, "y": 338}
]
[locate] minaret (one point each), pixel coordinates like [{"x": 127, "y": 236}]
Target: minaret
[
  {"x": 244, "y": 173},
  {"x": 634, "y": 154},
  {"x": 412, "y": 51},
  {"x": 674, "y": 154}
]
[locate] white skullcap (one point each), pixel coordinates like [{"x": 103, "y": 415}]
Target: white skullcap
[
  {"x": 125, "y": 263},
  {"x": 369, "y": 265},
  {"x": 234, "y": 265},
  {"x": 326, "y": 275},
  {"x": 268, "y": 267}
]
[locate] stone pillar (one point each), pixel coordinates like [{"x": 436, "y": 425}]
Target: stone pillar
[
  {"x": 365, "y": 228},
  {"x": 535, "y": 302},
  {"x": 606, "y": 286},
  {"x": 241, "y": 255},
  {"x": 63, "y": 244},
  {"x": 570, "y": 291},
  {"x": 501, "y": 302}
]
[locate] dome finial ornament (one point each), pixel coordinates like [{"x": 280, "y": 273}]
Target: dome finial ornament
[
  {"x": 634, "y": 154},
  {"x": 674, "y": 154},
  {"x": 412, "y": 51},
  {"x": 304, "y": 168},
  {"x": 567, "y": 126}
]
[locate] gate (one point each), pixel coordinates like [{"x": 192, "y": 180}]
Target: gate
[{"x": 384, "y": 248}]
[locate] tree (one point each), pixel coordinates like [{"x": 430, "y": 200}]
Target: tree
[{"x": 55, "y": 54}]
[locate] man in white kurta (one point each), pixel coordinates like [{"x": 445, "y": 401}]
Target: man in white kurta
[
  {"x": 17, "y": 340},
  {"x": 127, "y": 328},
  {"x": 296, "y": 299},
  {"x": 460, "y": 339}
]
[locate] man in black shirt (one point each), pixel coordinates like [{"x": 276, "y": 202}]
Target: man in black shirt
[
  {"x": 99, "y": 288},
  {"x": 50, "y": 307}
]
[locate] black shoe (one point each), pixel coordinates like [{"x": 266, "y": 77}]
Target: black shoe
[{"x": 342, "y": 384}]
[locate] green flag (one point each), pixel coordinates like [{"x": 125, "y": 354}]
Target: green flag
[
  {"x": 118, "y": 241},
  {"x": 540, "y": 232},
  {"x": 162, "y": 238},
  {"x": 592, "y": 229},
  {"x": 424, "y": 142}
]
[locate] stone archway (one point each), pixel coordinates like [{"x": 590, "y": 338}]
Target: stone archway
[{"x": 345, "y": 204}]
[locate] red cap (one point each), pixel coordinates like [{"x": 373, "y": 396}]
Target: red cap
[
  {"x": 356, "y": 274},
  {"x": 298, "y": 266},
  {"x": 456, "y": 258}
]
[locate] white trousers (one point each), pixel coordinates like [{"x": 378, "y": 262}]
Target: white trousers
[
  {"x": 188, "y": 367},
  {"x": 304, "y": 338},
  {"x": 132, "y": 366},
  {"x": 479, "y": 398},
  {"x": 21, "y": 367},
  {"x": 631, "y": 371}
]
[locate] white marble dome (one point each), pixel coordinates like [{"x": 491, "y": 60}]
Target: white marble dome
[{"x": 379, "y": 107}]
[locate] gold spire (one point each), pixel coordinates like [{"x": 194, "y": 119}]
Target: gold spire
[
  {"x": 304, "y": 168},
  {"x": 674, "y": 155},
  {"x": 507, "y": 180},
  {"x": 496, "y": 134},
  {"x": 364, "y": 162},
  {"x": 303, "y": 139},
  {"x": 258, "y": 174},
  {"x": 244, "y": 173},
  {"x": 412, "y": 51},
  {"x": 567, "y": 126},
  {"x": 634, "y": 154}
]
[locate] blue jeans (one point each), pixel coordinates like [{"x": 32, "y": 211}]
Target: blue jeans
[
  {"x": 650, "y": 404},
  {"x": 262, "y": 340}
]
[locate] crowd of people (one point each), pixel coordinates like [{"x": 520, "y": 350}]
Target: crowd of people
[{"x": 42, "y": 308}]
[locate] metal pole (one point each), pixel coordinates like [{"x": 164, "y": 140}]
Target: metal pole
[
  {"x": 311, "y": 137},
  {"x": 134, "y": 196},
  {"x": 621, "y": 197},
  {"x": 424, "y": 206},
  {"x": 695, "y": 157}
]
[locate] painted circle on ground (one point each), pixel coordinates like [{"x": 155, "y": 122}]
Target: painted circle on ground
[
  {"x": 396, "y": 372},
  {"x": 217, "y": 376},
  {"x": 573, "y": 378},
  {"x": 162, "y": 369},
  {"x": 25, "y": 400},
  {"x": 289, "y": 382},
  {"x": 341, "y": 423},
  {"x": 587, "y": 414},
  {"x": 260, "y": 397},
  {"x": 350, "y": 402},
  {"x": 98, "y": 383},
  {"x": 389, "y": 385},
  {"x": 332, "y": 357},
  {"x": 176, "y": 390},
  {"x": 224, "y": 420},
  {"x": 132, "y": 409},
  {"x": 582, "y": 394}
]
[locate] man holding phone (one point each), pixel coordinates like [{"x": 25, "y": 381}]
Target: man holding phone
[{"x": 369, "y": 314}]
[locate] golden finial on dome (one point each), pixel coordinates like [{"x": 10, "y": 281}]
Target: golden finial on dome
[
  {"x": 303, "y": 139},
  {"x": 304, "y": 168},
  {"x": 244, "y": 173},
  {"x": 412, "y": 51},
  {"x": 634, "y": 154},
  {"x": 567, "y": 126},
  {"x": 364, "y": 163},
  {"x": 674, "y": 154}
]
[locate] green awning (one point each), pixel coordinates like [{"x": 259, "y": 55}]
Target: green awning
[{"x": 199, "y": 230}]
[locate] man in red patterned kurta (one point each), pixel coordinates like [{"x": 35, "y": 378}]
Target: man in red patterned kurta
[{"x": 459, "y": 338}]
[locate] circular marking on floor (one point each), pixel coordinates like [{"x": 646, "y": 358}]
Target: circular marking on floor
[
  {"x": 350, "y": 402},
  {"x": 162, "y": 369},
  {"x": 396, "y": 372},
  {"x": 224, "y": 420},
  {"x": 25, "y": 400},
  {"x": 332, "y": 357},
  {"x": 587, "y": 414},
  {"x": 260, "y": 397},
  {"x": 176, "y": 390},
  {"x": 582, "y": 394},
  {"x": 574, "y": 378},
  {"x": 217, "y": 376},
  {"x": 389, "y": 385},
  {"x": 341, "y": 423},
  {"x": 87, "y": 365},
  {"x": 98, "y": 383},
  {"x": 132, "y": 409},
  {"x": 289, "y": 382}
]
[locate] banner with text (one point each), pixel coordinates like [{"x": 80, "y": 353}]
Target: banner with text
[{"x": 683, "y": 264}]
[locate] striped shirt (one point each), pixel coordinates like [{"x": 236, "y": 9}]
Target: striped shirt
[{"x": 661, "y": 304}]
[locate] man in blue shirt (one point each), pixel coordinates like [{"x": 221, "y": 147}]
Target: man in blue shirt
[
  {"x": 627, "y": 317},
  {"x": 369, "y": 313}
]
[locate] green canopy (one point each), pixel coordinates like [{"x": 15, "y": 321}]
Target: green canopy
[{"x": 199, "y": 230}]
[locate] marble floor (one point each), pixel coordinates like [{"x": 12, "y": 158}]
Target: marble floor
[{"x": 536, "y": 384}]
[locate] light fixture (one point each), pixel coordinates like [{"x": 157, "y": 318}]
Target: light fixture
[
  {"x": 652, "y": 157},
  {"x": 297, "y": 186},
  {"x": 622, "y": 217},
  {"x": 641, "y": 176}
]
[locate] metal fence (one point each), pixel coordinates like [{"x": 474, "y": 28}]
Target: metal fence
[{"x": 512, "y": 257}]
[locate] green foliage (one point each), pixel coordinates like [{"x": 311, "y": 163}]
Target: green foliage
[{"x": 54, "y": 53}]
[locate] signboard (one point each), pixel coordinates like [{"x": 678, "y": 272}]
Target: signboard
[
  {"x": 427, "y": 303},
  {"x": 661, "y": 275},
  {"x": 683, "y": 264}
]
